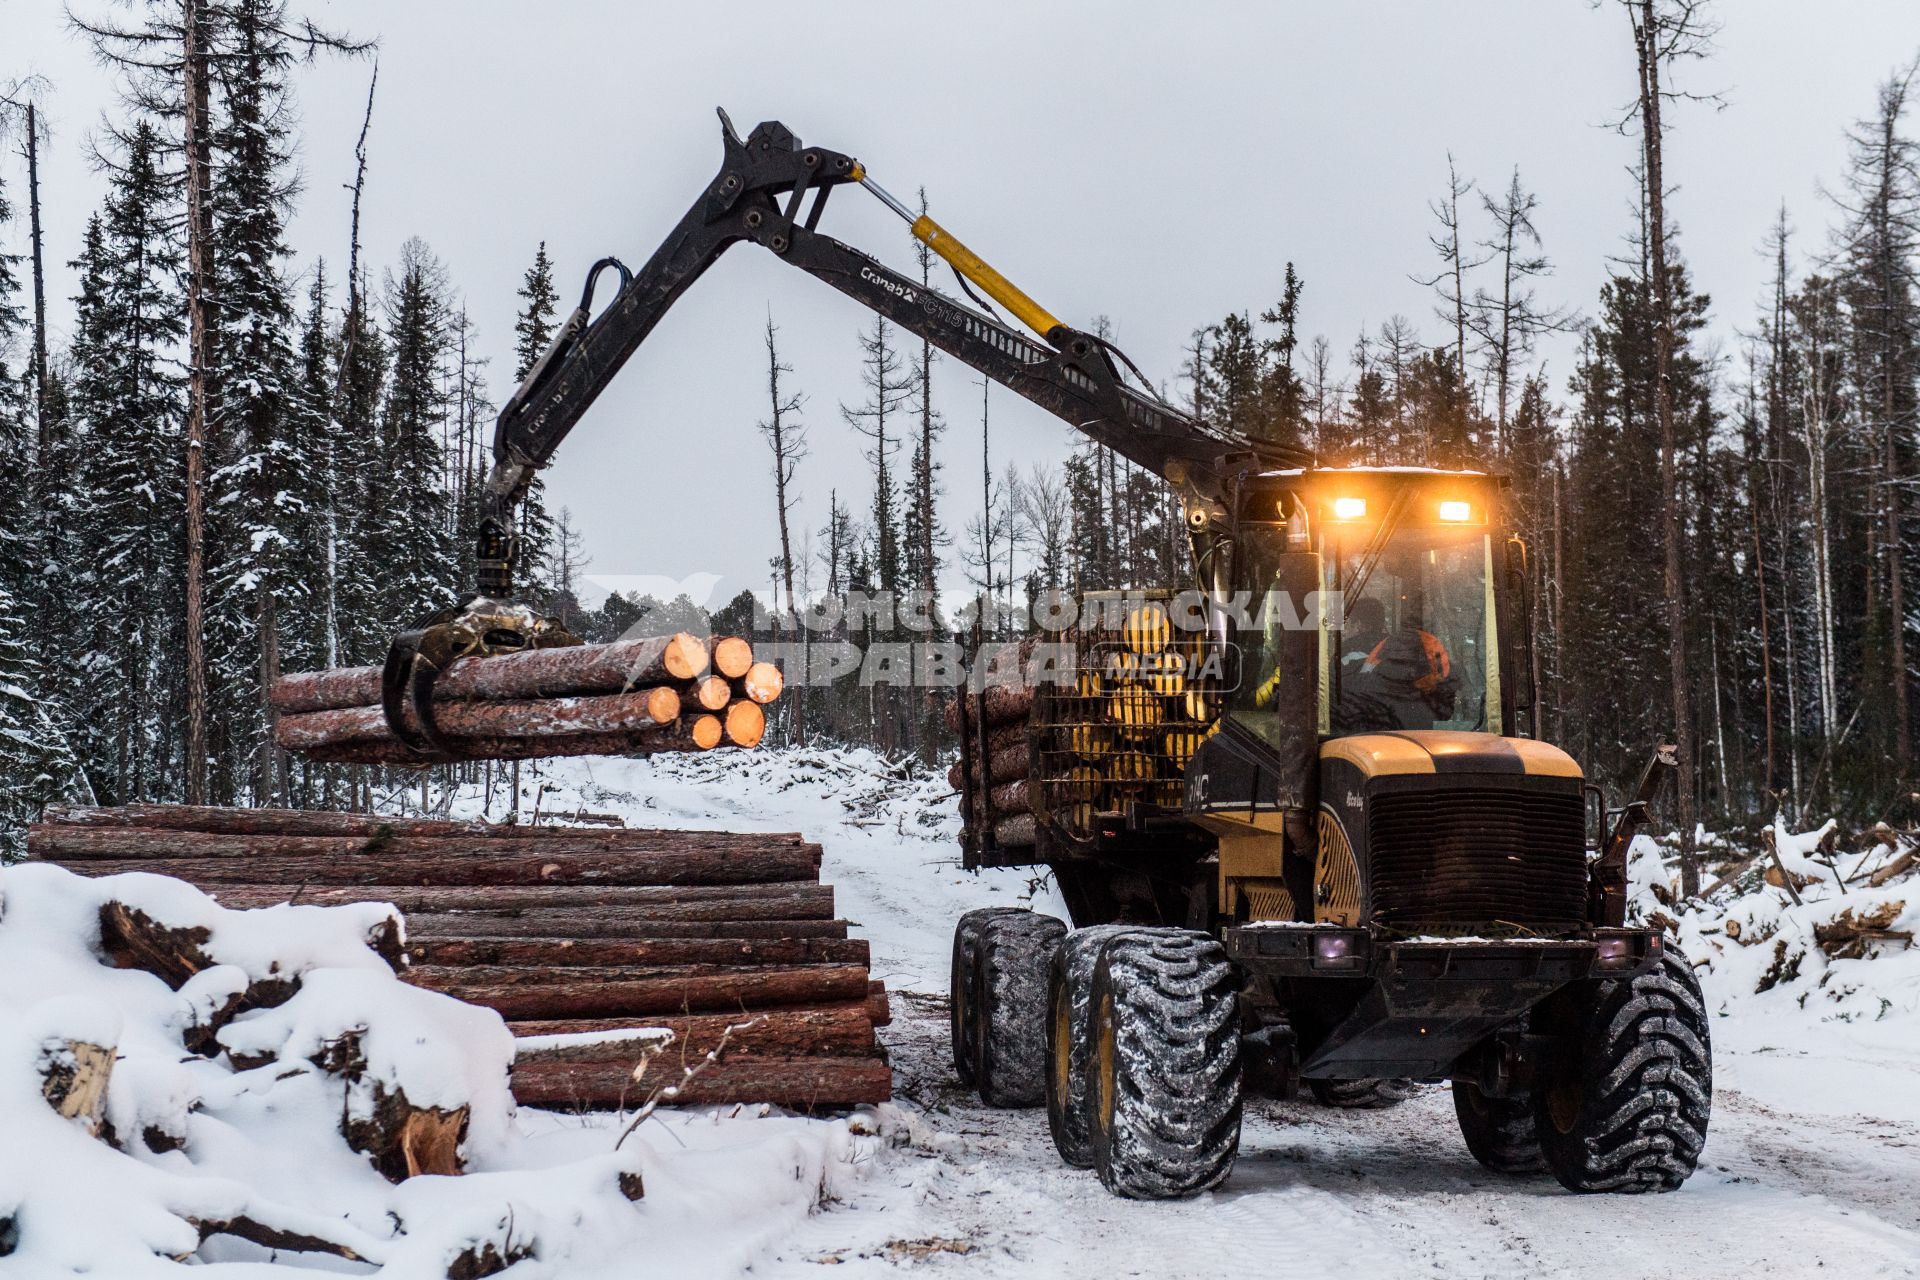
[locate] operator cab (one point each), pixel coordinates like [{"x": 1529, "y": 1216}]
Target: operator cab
[{"x": 1397, "y": 576}]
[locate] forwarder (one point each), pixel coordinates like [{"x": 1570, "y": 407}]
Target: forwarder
[{"x": 1355, "y": 866}]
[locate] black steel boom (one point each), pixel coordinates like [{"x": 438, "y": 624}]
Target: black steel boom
[{"x": 771, "y": 190}]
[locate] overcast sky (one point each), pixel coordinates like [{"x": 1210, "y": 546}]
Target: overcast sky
[{"x": 1156, "y": 163}]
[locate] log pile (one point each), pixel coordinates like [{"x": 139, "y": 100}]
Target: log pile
[
  {"x": 1041, "y": 765},
  {"x": 992, "y": 773},
  {"x": 563, "y": 931},
  {"x": 658, "y": 694}
]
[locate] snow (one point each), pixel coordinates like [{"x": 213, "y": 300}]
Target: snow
[
  {"x": 640, "y": 1038},
  {"x": 256, "y": 1130},
  {"x": 1760, "y": 952},
  {"x": 1809, "y": 1169}
]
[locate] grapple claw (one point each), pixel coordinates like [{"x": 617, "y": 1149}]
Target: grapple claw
[{"x": 417, "y": 658}]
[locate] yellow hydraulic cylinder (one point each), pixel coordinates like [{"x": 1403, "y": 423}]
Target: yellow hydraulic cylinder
[
  {"x": 968, "y": 263},
  {"x": 984, "y": 277}
]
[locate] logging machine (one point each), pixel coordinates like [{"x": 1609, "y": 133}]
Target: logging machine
[{"x": 1332, "y": 850}]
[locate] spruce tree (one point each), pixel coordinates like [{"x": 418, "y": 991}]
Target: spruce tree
[
  {"x": 889, "y": 389},
  {"x": 1616, "y": 642},
  {"x": 266, "y": 476},
  {"x": 533, "y": 329},
  {"x": 413, "y": 553},
  {"x": 128, "y": 391},
  {"x": 37, "y": 764},
  {"x": 532, "y": 334},
  {"x": 360, "y": 486}
]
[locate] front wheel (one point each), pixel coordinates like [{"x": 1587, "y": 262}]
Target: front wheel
[
  {"x": 1363, "y": 1095},
  {"x": 1069, "y": 1040},
  {"x": 1499, "y": 1131},
  {"x": 1164, "y": 1096},
  {"x": 1629, "y": 1113}
]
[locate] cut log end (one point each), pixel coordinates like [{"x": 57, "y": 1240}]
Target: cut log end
[
  {"x": 705, "y": 732},
  {"x": 746, "y": 724},
  {"x": 684, "y": 657},
  {"x": 732, "y": 656},
  {"x": 403, "y": 1140},
  {"x": 709, "y": 693},
  {"x": 73, "y": 1079},
  {"x": 662, "y": 705},
  {"x": 763, "y": 682}
]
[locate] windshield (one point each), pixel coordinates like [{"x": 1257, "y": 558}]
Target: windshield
[{"x": 1413, "y": 649}]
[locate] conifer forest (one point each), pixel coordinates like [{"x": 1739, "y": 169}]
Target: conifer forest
[{"x": 232, "y": 456}]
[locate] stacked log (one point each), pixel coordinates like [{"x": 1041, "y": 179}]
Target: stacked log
[
  {"x": 563, "y": 931},
  {"x": 996, "y": 789},
  {"x": 658, "y": 694}
]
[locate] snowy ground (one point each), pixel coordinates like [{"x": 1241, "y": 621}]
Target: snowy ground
[{"x": 1810, "y": 1168}]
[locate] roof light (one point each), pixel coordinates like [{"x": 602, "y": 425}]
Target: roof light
[
  {"x": 1349, "y": 508},
  {"x": 1456, "y": 511}
]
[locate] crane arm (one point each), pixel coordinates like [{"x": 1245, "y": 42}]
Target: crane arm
[{"x": 771, "y": 190}]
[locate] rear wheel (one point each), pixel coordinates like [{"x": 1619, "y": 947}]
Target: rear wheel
[
  {"x": 1007, "y": 1004},
  {"x": 962, "y": 990},
  {"x": 1499, "y": 1131},
  {"x": 1362, "y": 1095},
  {"x": 1069, "y": 1045},
  {"x": 1164, "y": 1088},
  {"x": 1629, "y": 1112}
]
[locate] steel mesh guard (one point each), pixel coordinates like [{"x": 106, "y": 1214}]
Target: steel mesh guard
[{"x": 1121, "y": 732}]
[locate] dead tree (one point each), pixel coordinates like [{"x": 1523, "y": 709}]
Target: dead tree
[
  {"x": 1665, "y": 32},
  {"x": 787, "y": 437},
  {"x": 1450, "y": 282},
  {"x": 1507, "y": 324}
]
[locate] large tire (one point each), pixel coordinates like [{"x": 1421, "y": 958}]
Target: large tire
[
  {"x": 1362, "y": 1095},
  {"x": 1630, "y": 1114},
  {"x": 1069, "y": 1045},
  {"x": 1499, "y": 1131},
  {"x": 1009, "y": 1005},
  {"x": 1165, "y": 1070},
  {"x": 963, "y": 987}
]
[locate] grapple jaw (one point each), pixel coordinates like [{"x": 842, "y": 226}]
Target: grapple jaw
[{"x": 416, "y": 660}]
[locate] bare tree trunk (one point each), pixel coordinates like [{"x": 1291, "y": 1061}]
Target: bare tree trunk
[
  {"x": 1719, "y": 720},
  {"x": 274, "y": 768},
  {"x": 986, "y": 498},
  {"x": 199, "y": 238},
  {"x": 1557, "y": 613},
  {"x": 1897, "y": 599},
  {"x": 1504, "y": 352},
  {"x": 784, "y": 458},
  {"x": 1766, "y": 645},
  {"x": 1648, "y": 38},
  {"x": 39, "y": 281}
]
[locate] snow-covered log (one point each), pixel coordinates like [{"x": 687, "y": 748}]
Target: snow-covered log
[
  {"x": 805, "y": 1084},
  {"x": 59, "y": 839},
  {"x": 538, "y": 994},
  {"x": 688, "y": 733},
  {"x": 536, "y": 673},
  {"x": 270, "y": 866},
  {"x": 842, "y": 1029},
  {"x": 635, "y": 712}
]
